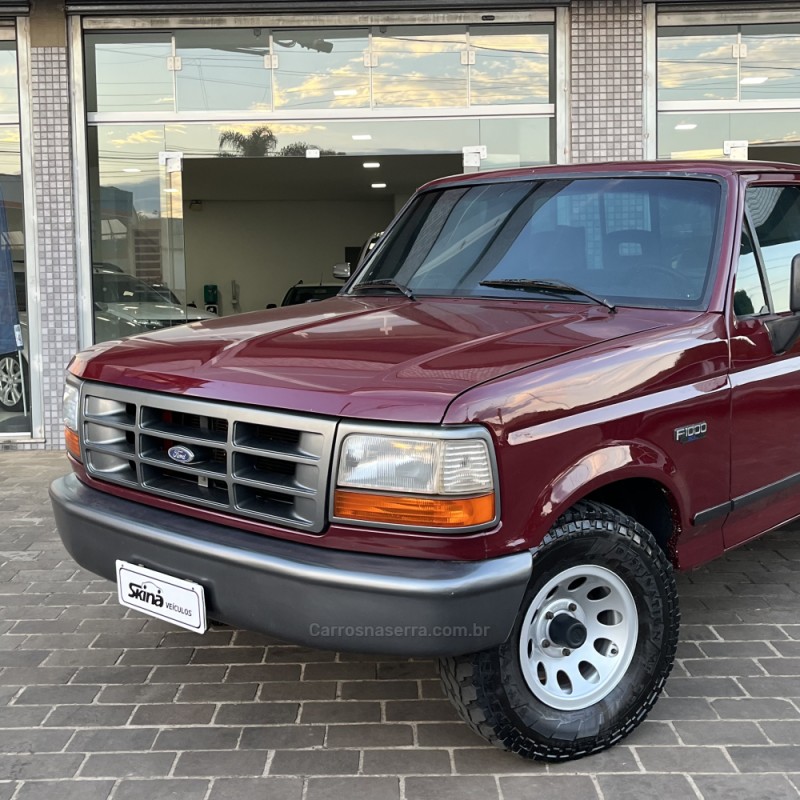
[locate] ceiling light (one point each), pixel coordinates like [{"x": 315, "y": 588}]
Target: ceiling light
[
  {"x": 756, "y": 80},
  {"x": 344, "y": 92},
  {"x": 131, "y": 169},
  {"x": 378, "y": 185},
  {"x": 362, "y": 137},
  {"x": 685, "y": 126},
  {"x": 371, "y": 164}
]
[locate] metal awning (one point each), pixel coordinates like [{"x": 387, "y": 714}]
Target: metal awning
[
  {"x": 132, "y": 7},
  {"x": 722, "y": 5},
  {"x": 14, "y": 8}
]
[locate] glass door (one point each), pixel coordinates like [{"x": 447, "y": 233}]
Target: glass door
[{"x": 173, "y": 255}]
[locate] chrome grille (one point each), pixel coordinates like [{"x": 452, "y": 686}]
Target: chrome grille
[{"x": 261, "y": 464}]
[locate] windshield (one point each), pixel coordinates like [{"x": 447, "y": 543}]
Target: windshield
[
  {"x": 635, "y": 241},
  {"x": 117, "y": 287}
]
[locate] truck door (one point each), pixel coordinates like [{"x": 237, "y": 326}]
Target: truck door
[{"x": 765, "y": 430}]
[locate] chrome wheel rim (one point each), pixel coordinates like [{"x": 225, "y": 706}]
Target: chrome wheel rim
[
  {"x": 578, "y": 637},
  {"x": 10, "y": 381}
]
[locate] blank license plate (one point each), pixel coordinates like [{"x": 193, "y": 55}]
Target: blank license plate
[{"x": 172, "y": 599}]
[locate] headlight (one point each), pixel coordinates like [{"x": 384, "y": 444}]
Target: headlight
[
  {"x": 71, "y": 408},
  {"x": 72, "y": 397},
  {"x": 421, "y": 466},
  {"x": 434, "y": 483}
]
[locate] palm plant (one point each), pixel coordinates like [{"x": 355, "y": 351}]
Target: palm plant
[
  {"x": 260, "y": 142},
  {"x": 300, "y": 148}
]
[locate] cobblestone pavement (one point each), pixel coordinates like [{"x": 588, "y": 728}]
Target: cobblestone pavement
[{"x": 97, "y": 702}]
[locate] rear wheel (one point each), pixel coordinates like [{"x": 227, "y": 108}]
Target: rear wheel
[{"x": 591, "y": 649}]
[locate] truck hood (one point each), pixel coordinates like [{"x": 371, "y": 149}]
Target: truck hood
[{"x": 372, "y": 358}]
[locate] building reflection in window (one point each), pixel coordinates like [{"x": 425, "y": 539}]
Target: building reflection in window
[{"x": 258, "y": 69}]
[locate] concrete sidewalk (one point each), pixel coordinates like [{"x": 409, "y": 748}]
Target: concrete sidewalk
[{"x": 97, "y": 702}]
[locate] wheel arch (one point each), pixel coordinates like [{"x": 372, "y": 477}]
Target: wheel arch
[
  {"x": 635, "y": 478},
  {"x": 650, "y": 503}
]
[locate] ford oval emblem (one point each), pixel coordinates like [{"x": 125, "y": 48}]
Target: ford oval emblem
[{"x": 181, "y": 454}]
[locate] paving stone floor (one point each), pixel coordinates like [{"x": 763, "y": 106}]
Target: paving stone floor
[{"x": 97, "y": 702}]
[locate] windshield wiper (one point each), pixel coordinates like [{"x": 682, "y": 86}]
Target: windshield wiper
[
  {"x": 549, "y": 287},
  {"x": 384, "y": 283}
]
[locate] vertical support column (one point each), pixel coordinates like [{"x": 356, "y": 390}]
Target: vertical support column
[
  {"x": 54, "y": 224},
  {"x": 607, "y": 82}
]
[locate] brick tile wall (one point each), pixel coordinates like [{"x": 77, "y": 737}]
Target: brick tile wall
[
  {"x": 607, "y": 83},
  {"x": 56, "y": 229}
]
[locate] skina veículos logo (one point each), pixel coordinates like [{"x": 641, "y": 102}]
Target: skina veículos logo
[
  {"x": 181, "y": 454},
  {"x": 147, "y": 592}
]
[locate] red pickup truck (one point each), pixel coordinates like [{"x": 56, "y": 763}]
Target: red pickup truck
[{"x": 543, "y": 391}]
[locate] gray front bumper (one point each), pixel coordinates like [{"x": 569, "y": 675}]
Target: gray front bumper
[{"x": 298, "y": 592}]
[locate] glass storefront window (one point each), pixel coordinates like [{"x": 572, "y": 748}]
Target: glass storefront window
[
  {"x": 512, "y": 65},
  {"x": 321, "y": 69},
  {"x": 747, "y": 62},
  {"x": 769, "y": 68},
  {"x": 9, "y": 94},
  {"x": 697, "y": 63},
  {"x": 15, "y": 384},
  {"x": 698, "y": 135},
  {"x": 129, "y": 72},
  {"x": 335, "y": 69},
  {"x": 420, "y": 68},
  {"x": 517, "y": 142},
  {"x": 510, "y": 141},
  {"x": 223, "y": 70},
  {"x": 748, "y": 76}
]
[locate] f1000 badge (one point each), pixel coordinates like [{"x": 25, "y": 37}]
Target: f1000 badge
[{"x": 691, "y": 433}]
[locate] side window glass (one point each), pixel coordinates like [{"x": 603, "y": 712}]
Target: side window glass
[
  {"x": 748, "y": 291},
  {"x": 775, "y": 211}
]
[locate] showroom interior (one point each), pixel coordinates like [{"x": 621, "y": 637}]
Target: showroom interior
[{"x": 159, "y": 166}]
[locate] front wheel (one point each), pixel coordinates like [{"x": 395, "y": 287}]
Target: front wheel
[{"x": 591, "y": 648}]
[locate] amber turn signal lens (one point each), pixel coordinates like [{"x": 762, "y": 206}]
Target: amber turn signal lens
[
  {"x": 427, "y": 512},
  {"x": 73, "y": 443}
]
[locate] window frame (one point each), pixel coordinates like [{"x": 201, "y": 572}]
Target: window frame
[{"x": 749, "y": 228}]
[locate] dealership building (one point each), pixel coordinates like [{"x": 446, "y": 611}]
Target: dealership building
[{"x": 168, "y": 161}]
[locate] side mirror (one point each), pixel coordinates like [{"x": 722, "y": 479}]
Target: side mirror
[
  {"x": 342, "y": 271},
  {"x": 785, "y": 331},
  {"x": 794, "y": 285}
]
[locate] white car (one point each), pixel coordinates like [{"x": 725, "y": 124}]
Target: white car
[{"x": 128, "y": 298}]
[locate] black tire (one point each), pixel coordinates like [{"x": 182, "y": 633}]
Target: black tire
[
  {"x": 489, "y": 688},
  {"x": 11, "y": 382}
]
